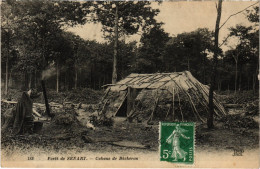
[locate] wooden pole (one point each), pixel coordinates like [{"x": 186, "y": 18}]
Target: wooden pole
[
  {"x": 131, "y": 95},
  {"x": 45, "y": 98}
]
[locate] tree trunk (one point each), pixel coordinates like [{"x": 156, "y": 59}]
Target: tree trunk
[
  {"x": 65, "y": 82},
  {"x": 58, "y": 78},
  {"x": 99, "y": 82},
  {"x": 236, "y": 77},
  {"x": 91, "y": 78},
  {"x": 254, "y": 80},
  {"x": 114, "y": 75},
  {"x": 10, "y": 83},
  {"x": 25, "y": 81},
  {"x": 188, "y": 63},
  {"x": 76, "y": 78},
  {"x": 240, "y": 78},
  {"x": 75, "y": 68},
  {"x": 248, "y": 78},
  {"x": 35, "y": 79},
  {"x": 219, "y": 85},
  {"x": 7, "y": 65},
  {"x": 79, "y": 80},
  {"x": 30, "y": 80},
  {"x": 214, "y": 70},
  {"x": 104, "y": 80},
  {"x": 255, "y": 76}
]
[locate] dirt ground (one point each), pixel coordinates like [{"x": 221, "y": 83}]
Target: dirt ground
[{"x": 131, "y": 137}]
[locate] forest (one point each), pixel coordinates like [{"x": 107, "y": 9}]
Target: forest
[
  {"x": 34, "y": 38},
  {"x": 80, "y": 108}
]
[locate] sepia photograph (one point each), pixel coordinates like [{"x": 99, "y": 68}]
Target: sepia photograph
[{"x": 139, "y": 84}]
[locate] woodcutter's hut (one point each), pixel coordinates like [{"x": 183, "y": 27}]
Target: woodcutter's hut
[{"x": 174, "y": 96}]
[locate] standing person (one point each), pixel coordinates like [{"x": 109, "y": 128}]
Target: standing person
[
  {"x": 20, "y": 117},
  {"x": 174, "y": 139}
]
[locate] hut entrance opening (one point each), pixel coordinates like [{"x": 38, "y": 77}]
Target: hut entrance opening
[{"x": 128, "y": 103}]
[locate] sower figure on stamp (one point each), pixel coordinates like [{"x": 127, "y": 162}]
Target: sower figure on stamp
[
  {"x": 20, "y": 117},
  {"x": 174, "y": 139}
]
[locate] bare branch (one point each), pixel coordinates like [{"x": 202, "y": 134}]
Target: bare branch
[
  {"x": 236, "y": 14},
  {"x": 224, "y": 41}
]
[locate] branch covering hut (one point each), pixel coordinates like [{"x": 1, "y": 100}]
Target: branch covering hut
[{"x": 174, "y": 96}]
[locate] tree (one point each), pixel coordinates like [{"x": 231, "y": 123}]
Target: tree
[
  {"x": 253, "y": 15},
  {"x": 8, "y": 28},
  {"x": 189, "y": 51},
  {"x": 64, "y": 50},
  {"x": 46, "y": 19},
  {"x": 245, "y": 53},
  {"x": 120, "y": 18},
  {"x": 40, "y": 24},
  {"x": 127, "y": 61},
  {"x": 153, "y": 42},
  {"x": 214, "y": 69},
  {"x": 242, "y": 52}
]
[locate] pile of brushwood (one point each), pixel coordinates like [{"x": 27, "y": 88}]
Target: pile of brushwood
[
  {"x": 68, "y": 117},
  {"x": 101, "y": 120},
  {"x": 238, "y": 121},
  {"x": 252, "y": 108},
  {"x": 248, "y": 100},
  {"x": 239, "y": 97},
  {"x": 5, "y": 106},
  {"x": 84, "y": 95},
  {"x": 52, "y": 137}
]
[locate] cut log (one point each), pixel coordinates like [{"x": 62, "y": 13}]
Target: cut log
[
  {"x": 8, "y": 102},
  {"x": 36, "y": 113}
]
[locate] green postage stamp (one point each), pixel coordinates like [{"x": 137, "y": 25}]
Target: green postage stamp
[{"x": 177, "y": 141}]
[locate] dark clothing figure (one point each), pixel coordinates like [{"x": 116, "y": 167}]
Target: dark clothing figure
[{"x": 20, "y": 117}]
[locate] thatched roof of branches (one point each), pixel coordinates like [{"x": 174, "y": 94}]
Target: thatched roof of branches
[{"x": 177, "y": 85}]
